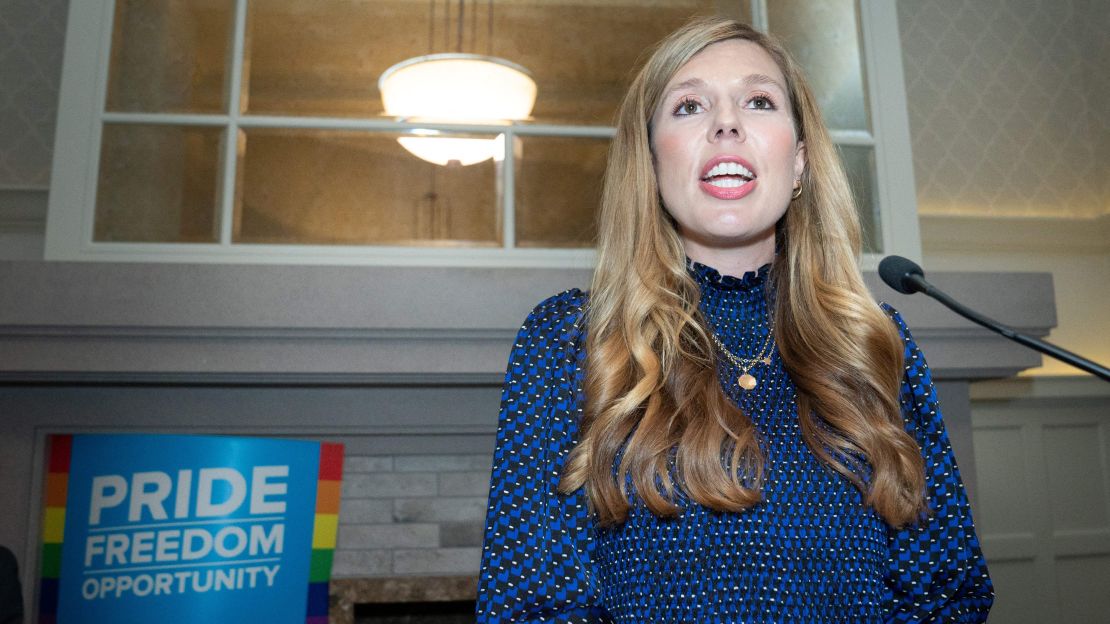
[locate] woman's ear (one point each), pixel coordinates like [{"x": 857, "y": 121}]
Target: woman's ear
[{"x": 799, "y": 160}]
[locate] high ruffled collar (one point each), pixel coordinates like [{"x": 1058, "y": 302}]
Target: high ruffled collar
[{"x": 708, "y": 276}]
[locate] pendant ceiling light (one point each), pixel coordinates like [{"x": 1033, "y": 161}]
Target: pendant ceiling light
[{"x": 457, "y": 88}]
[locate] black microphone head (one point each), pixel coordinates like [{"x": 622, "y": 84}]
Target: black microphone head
[{"x": 897, "y": 272}]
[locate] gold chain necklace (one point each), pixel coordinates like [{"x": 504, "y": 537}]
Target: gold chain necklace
[{"x": 747, "y": 381}]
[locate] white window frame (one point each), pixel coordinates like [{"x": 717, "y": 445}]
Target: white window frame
[{"x": 69, "y": 232}]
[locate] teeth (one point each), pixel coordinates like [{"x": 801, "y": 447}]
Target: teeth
[
  {"x": 726, "y": 183},
  {"x": 729, "y": 168}
]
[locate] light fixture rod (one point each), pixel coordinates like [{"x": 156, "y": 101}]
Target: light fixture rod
[
  {"x": 431, "y": 26},
  {"x": 446, "y": 24},
  {"x": 460, "y": 27},
  {"x": 474, "y": 27},
  {"x": 462, "y": 21}
]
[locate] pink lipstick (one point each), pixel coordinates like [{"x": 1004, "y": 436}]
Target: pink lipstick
[{"x": 727, "y": 177}]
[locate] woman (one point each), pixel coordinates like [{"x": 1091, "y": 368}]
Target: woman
[{"x": 728, "y": 428}]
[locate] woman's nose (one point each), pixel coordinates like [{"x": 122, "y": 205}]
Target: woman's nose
[{"x": 726, "y": 125}]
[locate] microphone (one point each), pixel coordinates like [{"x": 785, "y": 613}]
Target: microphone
[
  {"x": 902, "y": 274},
  {"x": 906, "y": 277}
]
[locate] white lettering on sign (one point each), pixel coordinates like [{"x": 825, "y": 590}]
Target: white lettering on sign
[
  {"x": 206, "y": 506},
  {"x": 107, "y": 491},
  {"x": 261, "y": 488},
  {"x": 147, "y": 493},
  {"x": 171, "y": 545},
  {"x": 167, "y": 583},
  {"x": 148, "y": 489},
  {"x": 146, "y": 527}
]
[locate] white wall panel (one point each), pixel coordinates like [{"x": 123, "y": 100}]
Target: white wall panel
[
  {"x": 1017, "y": 594},
  {"x": 1084, "y": 587},
  {"x": 1042, "y": 447},
  {"x": 1077, "y": 482}
]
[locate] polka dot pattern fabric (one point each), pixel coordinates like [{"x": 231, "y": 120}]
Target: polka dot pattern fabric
[{"x": 809, "y": 552}]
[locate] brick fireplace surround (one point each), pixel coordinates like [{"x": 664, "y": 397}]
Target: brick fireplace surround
[{"x": 403, "y": 366}]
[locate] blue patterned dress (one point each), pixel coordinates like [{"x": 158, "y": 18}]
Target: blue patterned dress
[{"x": 810, "y": 552}]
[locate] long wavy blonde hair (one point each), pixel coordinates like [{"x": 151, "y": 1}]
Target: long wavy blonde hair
[{"x": 651, "y": 383}]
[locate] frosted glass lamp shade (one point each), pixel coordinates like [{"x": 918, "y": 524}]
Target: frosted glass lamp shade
[
  {"x": 457, "y": 87},
  {"x": 448, "y": 150}
]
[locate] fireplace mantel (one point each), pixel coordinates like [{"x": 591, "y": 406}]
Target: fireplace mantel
[{"x": 127, "y": 323}]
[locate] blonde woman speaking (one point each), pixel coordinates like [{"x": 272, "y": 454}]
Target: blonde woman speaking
[{"x": 727, "y": 427}]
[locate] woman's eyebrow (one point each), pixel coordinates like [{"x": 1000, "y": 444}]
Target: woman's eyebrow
[
  {"x": 748, "y": 81},
  {"x": 763, "y": 79},
  {"x": 689, "y": 83}
]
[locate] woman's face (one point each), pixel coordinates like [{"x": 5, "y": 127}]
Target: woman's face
[{"x": 726, "y": 153}]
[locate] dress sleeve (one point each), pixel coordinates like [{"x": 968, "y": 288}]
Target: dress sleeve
[
  {"x": 535, "y": 556},
  {"x": 936, "y": 570}
]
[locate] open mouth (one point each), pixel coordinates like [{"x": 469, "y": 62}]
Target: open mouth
[{"x": 728, "y": 175}]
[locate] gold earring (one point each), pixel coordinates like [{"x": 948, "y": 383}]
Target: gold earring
[{"x": 797, "y": 190}]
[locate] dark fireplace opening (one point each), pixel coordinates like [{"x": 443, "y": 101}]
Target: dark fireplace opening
[
  {"x": 404, "y": 600},
  {"x": 439, "y": 612}
]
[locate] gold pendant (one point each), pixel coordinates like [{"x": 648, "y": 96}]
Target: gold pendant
[{"x": 746, "y": 381}]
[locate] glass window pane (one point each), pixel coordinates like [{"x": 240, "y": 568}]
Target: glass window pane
[
  {"x": 170, "y": 56},
  {"x": 582, "y": 67},
  {"x": 324, "y": 58},
  {"x": 346, "y": 187},
  {"x": 558, "y": 190},
  {"x": 158, "y": 184},
  {"x": 859, "y": 164},
  {"x": 823, "y": 35}
]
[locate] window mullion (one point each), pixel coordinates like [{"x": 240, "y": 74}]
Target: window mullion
[
  {"x": 882, "y": 61},
  {"x": 508, "y": 196},
  {"x": 88, "y": 213},
  {"x": 759, "y": 15},
  {"x": 861, "y": 138},
  {"x": 230, "y": 156},
  {"x": 176, "y": 119}
]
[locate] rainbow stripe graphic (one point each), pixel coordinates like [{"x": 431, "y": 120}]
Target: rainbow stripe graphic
[
  {"x": 53, "y": 524},
  {"x": 323, "y": 533}
]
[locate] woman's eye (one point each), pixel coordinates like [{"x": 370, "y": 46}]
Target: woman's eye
[
  {"x": 687, "y": 107},
  {"x": 761, "y": 102}
]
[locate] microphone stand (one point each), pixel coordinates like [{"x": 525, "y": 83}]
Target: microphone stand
[{"x": 920, "y": 284}]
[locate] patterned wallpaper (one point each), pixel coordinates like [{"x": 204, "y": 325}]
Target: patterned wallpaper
[
  {"x": 1006, "y": 102},
  {"x": 32, "y": 37},
  {"x": 1007, "y": 105}
]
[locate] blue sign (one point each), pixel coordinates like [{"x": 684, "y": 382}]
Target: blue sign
[{"x": 186, "y": 529}]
